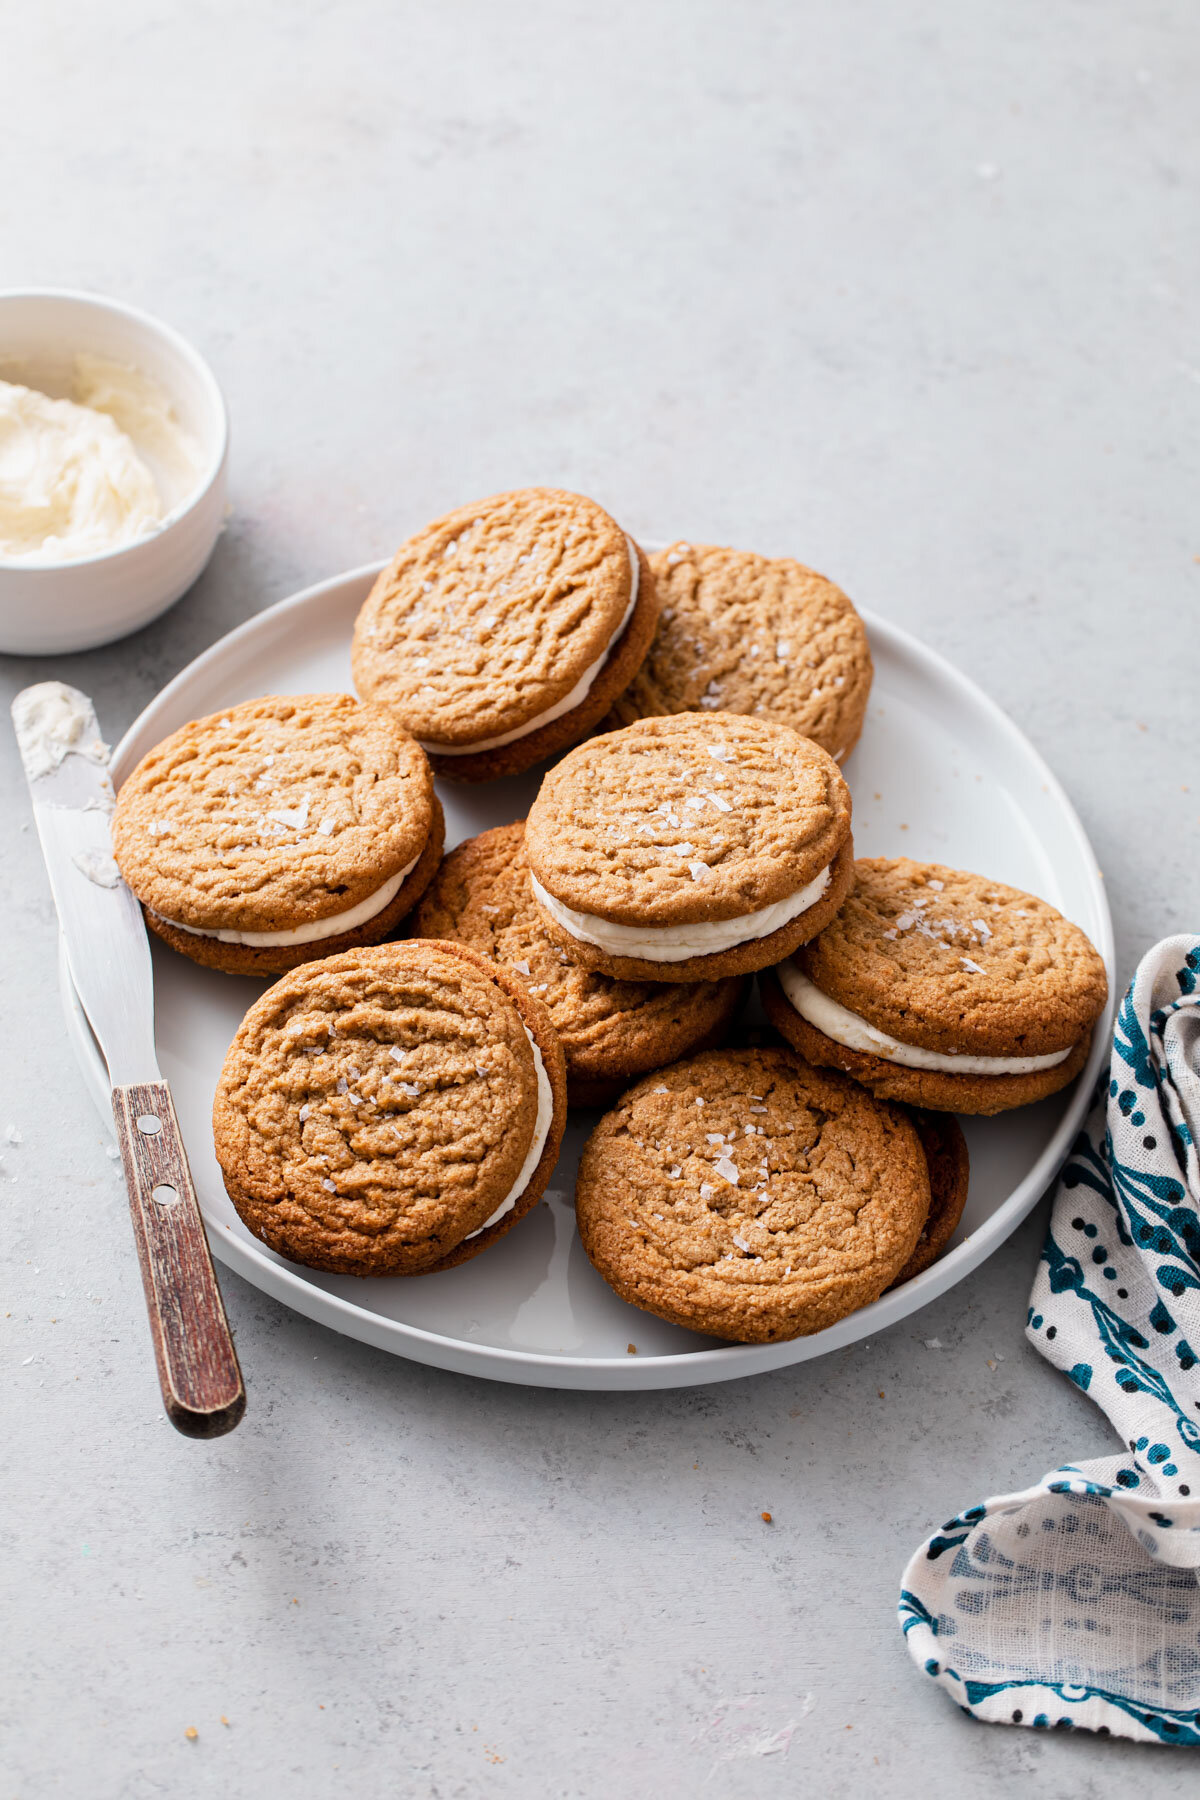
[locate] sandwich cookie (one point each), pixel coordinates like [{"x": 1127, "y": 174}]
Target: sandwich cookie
[
  {"x": 280, "y": 831},
  {"x": 753, "y": 634},
  {"x": 610, "y": 1031},
  {"x": 690, "y": 848},
  {"x": 942, "y": 989},
  {"x": 390, "y": 1111},
  {"x": 745, "y": 1194},
  {"x": 501, "y": 633},
  {"x": 949, "y": 1166}
]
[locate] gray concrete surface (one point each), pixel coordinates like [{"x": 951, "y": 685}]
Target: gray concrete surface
[{"x": 909, "y": 291}]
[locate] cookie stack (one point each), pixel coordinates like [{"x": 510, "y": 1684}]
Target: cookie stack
[{"x": 394, "y": 1108}]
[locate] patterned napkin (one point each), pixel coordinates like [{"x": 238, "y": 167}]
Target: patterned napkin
[{"x": 1076, "y": 1603}]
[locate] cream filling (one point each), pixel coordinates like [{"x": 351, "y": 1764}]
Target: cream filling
[
  {"x": 846, "y": 1027},
  {"x": 53, "y": 721},
  {"x": 94, "y": 473},
  {"x": 575, "y": 698},
  {"x": 312, "y": 929},
  {"x": 676, "y": 943},
  {"x": 545, "y": 1117}
]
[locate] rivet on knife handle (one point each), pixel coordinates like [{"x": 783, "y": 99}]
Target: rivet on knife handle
[{"x": 197, "y": 1364}]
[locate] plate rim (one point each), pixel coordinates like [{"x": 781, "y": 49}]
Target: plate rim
[{"x": 684, "y": 1368}]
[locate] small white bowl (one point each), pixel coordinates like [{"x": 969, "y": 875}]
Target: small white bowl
[{"x": 50, "y": 607}]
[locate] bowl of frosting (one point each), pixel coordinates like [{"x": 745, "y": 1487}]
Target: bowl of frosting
[{"x": 113, "y": 446}]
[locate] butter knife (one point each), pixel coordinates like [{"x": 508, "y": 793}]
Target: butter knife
[{"x": 66, "y": 765}]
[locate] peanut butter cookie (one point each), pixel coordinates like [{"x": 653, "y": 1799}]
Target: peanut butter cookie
[
  {"x": 942, "y": 989},
  {"x": 690, "y": 848},
  {"x": 390, "y": 1111},
  {"x": 745, "y": 1194},
  {"x": 279, "y": 831},
  {"x": 502, "y": 632},
  {"x": 752, "y": 634}
]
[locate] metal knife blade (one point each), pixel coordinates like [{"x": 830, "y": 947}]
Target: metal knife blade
[{"x": 66, "y": 764}]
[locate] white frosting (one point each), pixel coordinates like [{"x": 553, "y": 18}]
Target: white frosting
[
  {"x": 52, "y": 721},
  {"x": 82, "y": 476},
  {"x": 99, "y": 867},
  {"x": 846, "y": 1027},
  {"x": 575, "y": 698},
  {"x": 312, "y": 929},
  {"x": 675, "y": 943},
  {"x": 545, "y": 1116}
]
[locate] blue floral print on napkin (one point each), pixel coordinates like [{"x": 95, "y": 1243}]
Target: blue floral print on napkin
[{"x": 1076, "y": 1604}]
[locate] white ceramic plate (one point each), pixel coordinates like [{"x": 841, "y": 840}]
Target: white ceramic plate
[{"x": 940, "y": 774}]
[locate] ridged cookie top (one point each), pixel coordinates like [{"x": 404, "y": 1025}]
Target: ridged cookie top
[
  {"x": 746, "y": 1171},
  {"x": 688, "y": 819},
  {"x": 386, "y": 1094},
  {"x": 492, "y": 615},
  {"x": 481, "y": 896},
  {"x": 744, "y": 633},
  {"x": 954, "y": 962},
  {"x": 273, "y": 813}
]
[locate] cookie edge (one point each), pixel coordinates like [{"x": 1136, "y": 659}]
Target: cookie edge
[{"x": 931, "y": 1089}]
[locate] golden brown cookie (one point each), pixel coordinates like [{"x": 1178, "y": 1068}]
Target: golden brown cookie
[
  {"x": 744, "y": 633},
  {"x": 279, "y": 831},
  {"x": 502, "y": 632},
  {"x": 390, "y": 1111},
  {"x": 745, "y": 1194},
  {"x": 949, "y": 1166},
  {"x": 611, "y": 1031},
  {"x": 690, "y": 848},
  {"x": 942, "y": 989}
]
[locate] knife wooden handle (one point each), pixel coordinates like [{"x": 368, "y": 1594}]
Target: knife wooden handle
[{"x": 197, "y": 1363}]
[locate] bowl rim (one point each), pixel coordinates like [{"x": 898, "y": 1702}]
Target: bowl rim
[{"x": 188, "y": 351}]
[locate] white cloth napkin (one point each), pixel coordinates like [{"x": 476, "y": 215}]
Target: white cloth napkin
[{"x": 1076, "y": 1603}]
